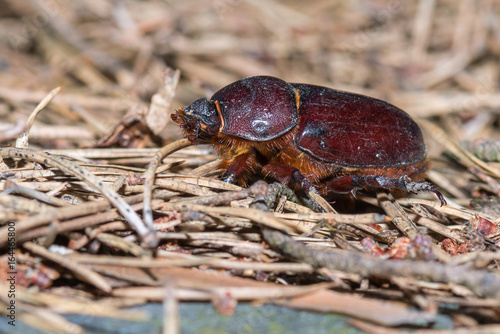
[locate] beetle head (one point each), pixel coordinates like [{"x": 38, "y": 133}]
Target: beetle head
[{"x": 201, "y": 119}]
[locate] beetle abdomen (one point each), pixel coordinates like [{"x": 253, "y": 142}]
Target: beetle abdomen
[
  {"x": 258, "y": 108},
  {"x": 356, "y": 131}
]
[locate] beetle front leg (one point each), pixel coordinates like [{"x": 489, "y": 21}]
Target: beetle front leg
[{"x": 238, "y": 166}]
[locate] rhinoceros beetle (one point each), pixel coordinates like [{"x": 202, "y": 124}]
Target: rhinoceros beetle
[{"x": 318, "y": 137}]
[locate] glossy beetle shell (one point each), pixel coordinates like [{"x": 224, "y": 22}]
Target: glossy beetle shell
[
  {"x": 355, "y": 130},
  {"x": 258, "y": 108},
  {"x": 339, "y": 127}
]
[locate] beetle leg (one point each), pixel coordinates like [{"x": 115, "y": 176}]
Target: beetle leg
[
  {"x": 404, "y": 183},
  {"x": 417, "y": 187},
  {"x": 291, "y": 176},
  {"x": 302, "y": 181},
  {"x": 349, "y": 182},
  {"x": 237, "y": 167},
  {"x": 380, "y": 182},
  {"x": 342, "y": 185},
  {"x": 281, "y": 173},
  {"x": 286, "y": 175}
]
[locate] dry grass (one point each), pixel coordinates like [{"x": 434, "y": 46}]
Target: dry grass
[{"x": 88, "y": 217}]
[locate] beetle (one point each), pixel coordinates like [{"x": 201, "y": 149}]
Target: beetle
[{"x": 314, "y": 136}]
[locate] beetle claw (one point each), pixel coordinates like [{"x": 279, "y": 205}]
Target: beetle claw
[
  {"x": 417, "y": 187},
  {"x": 440, "y": 196}
]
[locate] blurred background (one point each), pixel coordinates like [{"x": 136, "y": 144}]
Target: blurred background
[
  {"x": 436, "y": 59},
  {"x": 439, "y": 60}
]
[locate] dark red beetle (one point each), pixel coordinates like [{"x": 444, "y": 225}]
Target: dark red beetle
[{"x": 334, "y": 140}]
